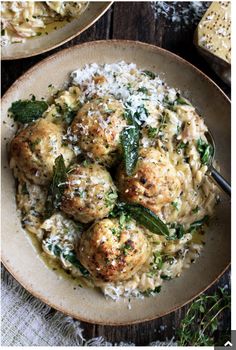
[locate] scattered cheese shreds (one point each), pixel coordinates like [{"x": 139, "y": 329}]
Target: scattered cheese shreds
[{"x": 181, "y": 13}]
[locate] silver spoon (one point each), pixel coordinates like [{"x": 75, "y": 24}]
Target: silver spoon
[{"x": 223, "y": 184}]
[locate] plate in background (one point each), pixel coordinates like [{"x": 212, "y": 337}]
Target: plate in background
[
  {"x": 21, "y": 257},
  {"x": 55, "y": 38}
]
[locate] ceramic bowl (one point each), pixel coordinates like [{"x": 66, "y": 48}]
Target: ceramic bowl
[
  {"x": 55, "y": 38},
  {"x": 20, "y": 255}
]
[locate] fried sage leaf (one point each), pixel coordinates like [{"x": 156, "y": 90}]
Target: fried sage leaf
[
  {"x": 143, "y": 216},
  {"x": 28, "y": 110},
  {"x": 150, "y": 74},
  {"x": 57, "y": 186},
  {"x": 199, "y": 223},
  {"x": 147, "y": 218},
  {"x": 182, "y": 101},
  {"x": 130, "y": 147},
  {"x": 69, "y": 256}
]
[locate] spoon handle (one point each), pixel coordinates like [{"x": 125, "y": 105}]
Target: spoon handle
[{"x": 225, "y": 186}]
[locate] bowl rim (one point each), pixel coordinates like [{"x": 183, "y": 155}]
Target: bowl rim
[
  {"x": 39, "y": 52},
  {"x": 36, "y": 67}
]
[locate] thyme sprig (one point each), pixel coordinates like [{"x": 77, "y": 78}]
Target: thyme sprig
[{"x": 206, "y": 312}]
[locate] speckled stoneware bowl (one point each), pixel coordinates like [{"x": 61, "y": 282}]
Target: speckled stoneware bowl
[
  {"x": 55, "y": 38},
  {"x": 20, "y": 255}
]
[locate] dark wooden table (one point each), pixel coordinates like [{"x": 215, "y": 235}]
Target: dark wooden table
[{"x": 134, "y": 21}]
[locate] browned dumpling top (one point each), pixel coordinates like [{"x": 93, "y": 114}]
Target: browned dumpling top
[
  {"x": 90, "y": 193},
  {"x": 34, "y": 150},
  {"x": 113, "y": 252},
  {"x": 154, "y": 183},
  {"x": 97, "y": 127}
]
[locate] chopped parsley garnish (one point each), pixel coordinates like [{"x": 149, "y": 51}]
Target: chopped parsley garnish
[
  {"x": 143, "y": 90},
  {"x": 150, "y": 292},
  {"x": 205, "y": 150},
  {"x": 182, "y": 101},
  {"x": 152, "y": 132},
  {"x": 86, "y": 163},
  {"x": 138, "y": 117},
  {"x": 150, "y": 74},
  {"x": 24, "y": 189},
  {"x": 115, "y": 231},
  {"x": 33, "y": 144},
  {"x": 127, "y": 246},
  {"x": 181, "y": 145},
  {"x": 157, "y": 261},
  {"x": 67, "y": 113},
  {"x": 175, "y": 205},
  {"x": 196, "y": 210},
  {"x": 110, "y": 198},
  {"x": 165, "y": 277}
]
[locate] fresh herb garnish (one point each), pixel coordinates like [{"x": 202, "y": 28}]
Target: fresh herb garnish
[
  {"x": 175, "y": 205},
  {"x": 110, "y": 198},
  {"x": 178, "y": 101},
  {"x": 199, "y": 223},
  {"x": 33, "y": 144},
  {"x": 143, "y": 90},
  {"x": 57, "y": 186},
  {"x": 196, "y": 210},
  {"x": 27, "y": 111},
  {"x": 130, "y": 146},
  {"x": 157, "y": 261},
  {"x": 150, "y": 74},
  {"x": 67, "y": 113},
  {"x": 165, "y": 277},
  {"x": 154, "y": 291},
  {"x": 207, "y": 310},
  {"x": 143, "y": 216},
  {"x": 128, "y": 245},
  {"x": 163, "y": 120},
  {"x": 205, "y": 150},
  {"x": 55, "y": 249},
  {"x": 152, "y": 132},
  {"x": 138, "y": 117},
  {"x": 130, "y": 136},
  {"x": 69, "y": 256},
  {"x": 123, "y": 219},
  {"x": 179, "y": 231},
  {"x": 147, "y": 218},
  {"x": 181, "y": 145},
  {"x": 24, "y": 189},
  {"x": 182, "y": 101}
]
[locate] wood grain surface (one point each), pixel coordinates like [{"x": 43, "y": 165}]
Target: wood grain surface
[{"x": 134, "y": 21}]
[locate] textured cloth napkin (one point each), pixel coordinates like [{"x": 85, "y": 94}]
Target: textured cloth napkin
[{"x": 26, "y": 321}]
